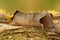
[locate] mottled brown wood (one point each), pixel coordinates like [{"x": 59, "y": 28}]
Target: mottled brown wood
[{"x": 56, "y": 17}]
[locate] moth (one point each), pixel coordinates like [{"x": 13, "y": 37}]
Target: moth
[{"x": 33, "y": 19}]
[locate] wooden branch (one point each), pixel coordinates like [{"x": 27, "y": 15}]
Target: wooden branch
[
  {"x": 56, "y": 17},
  {"x": 53, "y": 35}
]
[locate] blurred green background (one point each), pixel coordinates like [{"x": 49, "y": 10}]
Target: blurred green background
[{"x": 29, "y": 5}]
